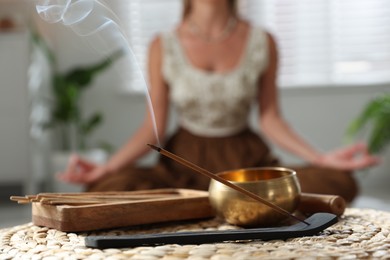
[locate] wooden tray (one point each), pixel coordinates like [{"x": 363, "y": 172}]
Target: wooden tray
[{"x": 163, "y": 205}]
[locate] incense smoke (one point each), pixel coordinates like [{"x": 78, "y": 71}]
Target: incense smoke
[{"x": 94, "y": 21}]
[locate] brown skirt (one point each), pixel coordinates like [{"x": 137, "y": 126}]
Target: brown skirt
[{"x": 216, "y": 154}]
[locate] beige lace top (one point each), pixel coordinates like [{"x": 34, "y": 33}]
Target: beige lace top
[{"x": 214, "y": 104}]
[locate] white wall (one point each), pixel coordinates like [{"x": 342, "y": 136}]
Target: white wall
[
  {"x": 14, "y": 59},
  {"x": 14, "y": 52}
]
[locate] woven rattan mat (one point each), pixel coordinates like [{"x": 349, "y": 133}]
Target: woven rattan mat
[{"x": 360, "y": 234}]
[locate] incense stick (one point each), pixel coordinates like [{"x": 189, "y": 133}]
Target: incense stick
[
  {"x": 227, "y": 183},
  {"x": 87, "y": 198}
]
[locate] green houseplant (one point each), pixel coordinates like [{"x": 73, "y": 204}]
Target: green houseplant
[
  {"x": 375, "y": 117},
  {"x": 71, "y": 127},
  {"x": 66, "y": 116}
]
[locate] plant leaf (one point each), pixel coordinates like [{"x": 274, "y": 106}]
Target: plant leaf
[
  {"x": 83, "y": 76},
  {"x": 91, "y": 123},
  {"x": 65, "y": 107},
  {"x": 380, "y": 134},
  {"x": 368, "y": 113},
  {"x": 377, "y": 114}
]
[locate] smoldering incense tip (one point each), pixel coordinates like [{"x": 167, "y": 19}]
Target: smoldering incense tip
[{"x": 158, "y": 149}]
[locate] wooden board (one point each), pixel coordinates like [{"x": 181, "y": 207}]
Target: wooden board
[{"x": 173, "y": 205}]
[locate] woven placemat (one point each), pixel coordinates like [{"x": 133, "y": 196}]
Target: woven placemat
[{"x": 360, "y": 234}]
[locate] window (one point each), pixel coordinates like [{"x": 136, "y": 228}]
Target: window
[
  {"x": 329, "y": 42},
  {"x": 321, "y": 42}
]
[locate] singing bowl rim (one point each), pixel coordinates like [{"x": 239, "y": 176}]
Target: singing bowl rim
[{"x": 289, "y": 173}]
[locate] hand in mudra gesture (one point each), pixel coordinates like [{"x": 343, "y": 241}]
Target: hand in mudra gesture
[
  {"x": 81, "y": 171},
  {"x": 353, "y": 157}
]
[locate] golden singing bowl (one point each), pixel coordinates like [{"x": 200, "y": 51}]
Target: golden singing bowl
[{"x": 278, "y": 185}]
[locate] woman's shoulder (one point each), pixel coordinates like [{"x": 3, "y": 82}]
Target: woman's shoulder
[
  {"x": 259, "y": 30},
  {"x": 162, "y": 38},
  {"x": 261, "y": 33},
  {"x": 157, "y": 45}
]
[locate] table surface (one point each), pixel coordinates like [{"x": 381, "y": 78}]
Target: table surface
[{"x": 360, "y": 233}]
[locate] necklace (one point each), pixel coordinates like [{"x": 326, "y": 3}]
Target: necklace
[{"x": 229, "y": 27}]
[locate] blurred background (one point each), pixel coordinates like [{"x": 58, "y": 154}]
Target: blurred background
[{"x": 334, "y": 60}]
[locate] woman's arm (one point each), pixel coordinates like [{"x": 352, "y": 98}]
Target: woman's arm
[
  {"x": 272, "y": 123},
  {"x": 277, "y": 129}
]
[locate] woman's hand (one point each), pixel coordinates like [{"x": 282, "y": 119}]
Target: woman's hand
[
  {"x": 81, "y": 171},
  {"x": 353, "y": 157}
]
